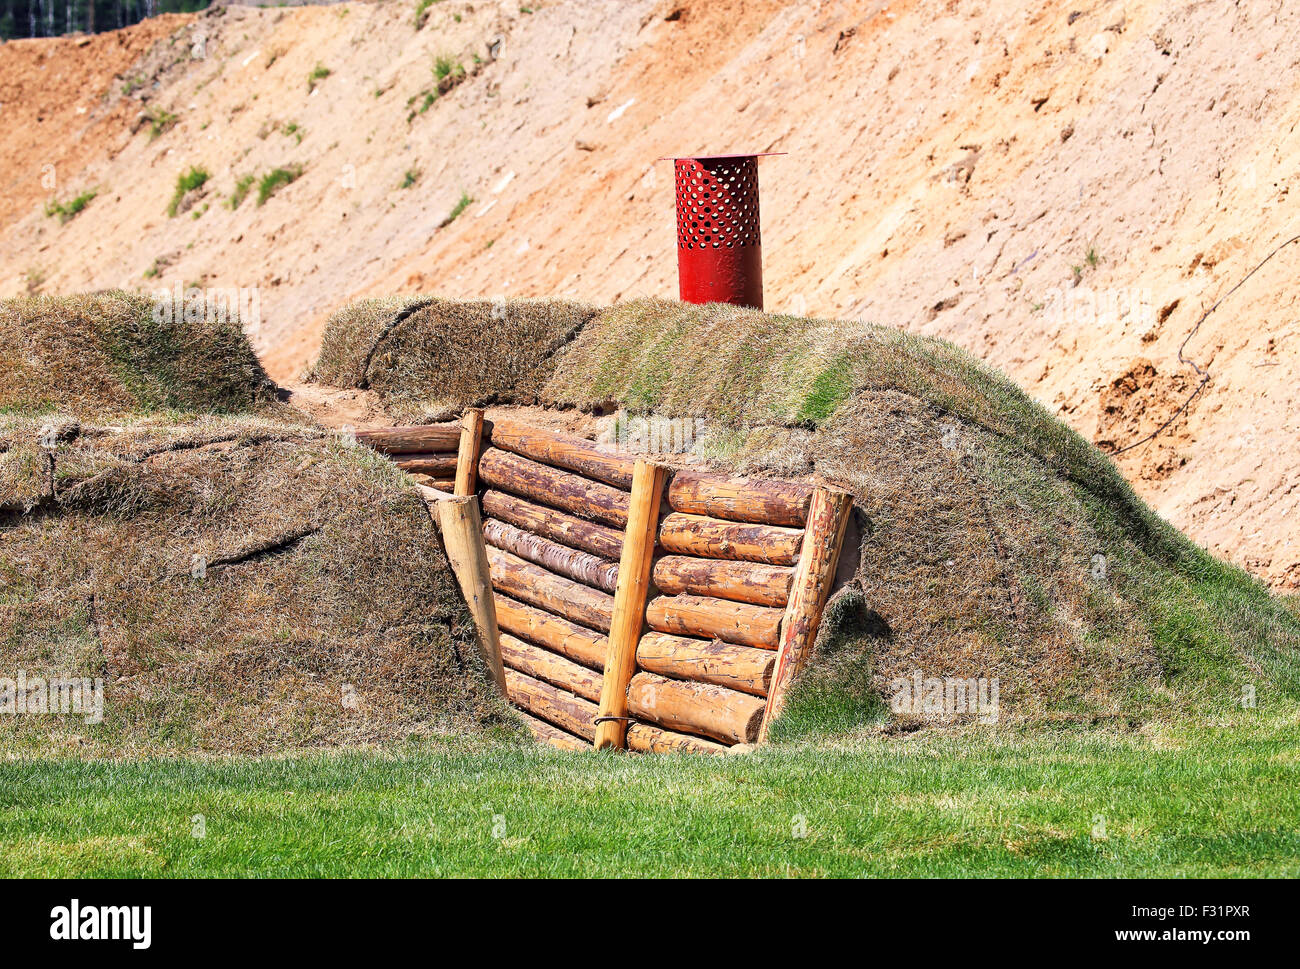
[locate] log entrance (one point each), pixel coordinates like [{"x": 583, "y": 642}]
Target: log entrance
[{"x": 632, "y": 605}]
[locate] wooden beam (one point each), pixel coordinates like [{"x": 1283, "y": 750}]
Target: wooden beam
[
  {"x": 580, "y": 566},
  {"x": 648, "y": 480},
  {"x": 549, "y": 703},
  {"x": 762, "y": 585},
  {"x": 462, "y": 539},
  {"x": 742, "y": 668},
  {"x": 714, "y": 711},
  {"x": 544, "y": 733},
  {"x": 732, "y": 622},
  {"x": 471, "y": 441},
  {"x": 563, "y": 451},
  {"x": 646, "y": 739},
  {"x": 761, "y": 500},
  {"x": 827, "y": 518},
  {"x": 559, "y": 489},
  {"x": 542, "y": 664},
  {"x": 716, "y": 539},
  {"x": 411, "y": 440},
  {"x": 559, "y": 635},
  {"x": 539, "y": 587},
  {"x": 434, "y": 464},
  {"x": 556, "y": 525}
]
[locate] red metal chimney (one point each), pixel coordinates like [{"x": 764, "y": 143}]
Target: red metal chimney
[{"x": 719, "y": 248}]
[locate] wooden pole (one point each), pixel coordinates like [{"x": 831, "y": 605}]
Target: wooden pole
[
  {"x": 462, "y": 538},
  {"x": 471, "y": 442},
  {"x": 648, "y": 480},
  {"x": 828, "y": 514}
]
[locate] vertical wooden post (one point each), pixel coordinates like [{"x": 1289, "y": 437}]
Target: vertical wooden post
[
  {"x": 471, "y": 443},
  {"x": 630, "y": 592},
  {"x": 462, "y": 537},
  {"x": 822, "y": 537}
]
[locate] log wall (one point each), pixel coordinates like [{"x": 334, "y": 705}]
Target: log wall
[{"x": 729, "y": 582}]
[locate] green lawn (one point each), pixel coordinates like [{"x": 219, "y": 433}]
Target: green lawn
[{"x": 1222, "y": 799}]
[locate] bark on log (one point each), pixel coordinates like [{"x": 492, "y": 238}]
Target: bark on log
[
  {"x": 539, "y": 626},
  {"x": 827, "y": 519},
  {"x": 580, "y": 566},
  {"x": 542, "y": 664},
  {"x": 563, "y": 451},
  {"x": 471, "y": 443},
  {"x": 544, "y": 733},
  {"x": 536, "y": 586},
  {"x": 558, "y": 707},
  {"x": 555, "y": 525},
  {"x": 725, "y": 715},
  {"x": 762, "y": 585},
  {"x": 560, "y": 489},
  {"x": 436, "y": 465},
  {"x": 462, "y": 539},
  {"x": 732, "y": 622},
  {"x": 760, "y": 500},
  {"x": 742, "y": 668},
  {"x": 411, "y": 440},
  {"x": 646, "y": 739},
  {"x": 629, "y": 600},
  {"x": 715, "y": 539}
]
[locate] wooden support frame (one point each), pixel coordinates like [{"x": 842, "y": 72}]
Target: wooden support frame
[
  {"x": 461, "y": 525},
  {"x": 828, "y": 515},
  {"x": 471, "y": 444},
  {"x": 648, "y": 480}
]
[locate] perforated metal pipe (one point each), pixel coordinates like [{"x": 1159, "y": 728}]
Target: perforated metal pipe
[{"x": 719, "y": 246}]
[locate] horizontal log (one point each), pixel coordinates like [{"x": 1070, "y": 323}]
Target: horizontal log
[
  {"x": 742, "y": 668},
  {"x": 539, "y": 587},
  {"x": 563, "y": 451},
  {"x": 542, "y": 664},
  {"x": 559, "y": 635},
  {"x": 557, "y": 707},
  {"x": 760, "y": 500},
  {"x": 556, "y": 525},
  {"x": 762, "y": 585},
  {"x": 714, "y": 711},
  {"x": 646, "y": 739},
  {"x": 411, "y": 440},
  {"x": 580, "y": 566},
  {"x": 560, "y": 489},
  {"x": 436, "y": 465},
  {"x": 732, "y": 622},
  {"x": 544, "y": 733},
  {"x": 716, "y": 539},
  {"x": 445, "y": 485}
]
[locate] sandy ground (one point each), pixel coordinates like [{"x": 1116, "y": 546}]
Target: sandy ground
[{"x": 1064, "y": 189}]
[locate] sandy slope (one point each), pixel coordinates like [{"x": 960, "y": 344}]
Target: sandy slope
[{"x": 950, "y": 166}]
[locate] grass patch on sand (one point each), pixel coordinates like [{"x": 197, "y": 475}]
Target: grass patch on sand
[{"x": 275, "y": 180}]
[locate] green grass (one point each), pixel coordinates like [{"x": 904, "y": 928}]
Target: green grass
[
  {"x": 422, "y": 12},
  {"x": 318, "y": 73},
  {"x": 464, "y": 202},
  {"x": 444, "y": 66},
  {"x": 242, "y": 188},
  {"x": 275, "y": 180},
  {"x": 66, "y": 211},
  {"x": 160, "y": 120},
  {"x": 186, "y": 182},
  {"x": 410, "y": 178},
  {"x": 1217, "y": 800}
]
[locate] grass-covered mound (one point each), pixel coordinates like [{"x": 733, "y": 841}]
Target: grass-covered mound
[
  {"x": 106, "y": 354},
  {"x": 238, "y": 581},
  {"x": 426, "y": 357},
  {"x": 997, "y": 542}
]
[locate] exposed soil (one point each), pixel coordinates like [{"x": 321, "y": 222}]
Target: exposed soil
[{"x": 1063, "y": 190}]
